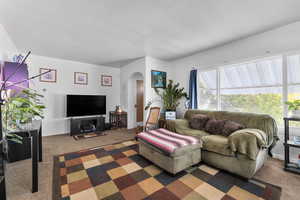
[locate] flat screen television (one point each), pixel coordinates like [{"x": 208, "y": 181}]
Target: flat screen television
[{"x": 83, "y": 105}]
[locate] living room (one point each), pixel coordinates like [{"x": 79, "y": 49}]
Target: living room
[{"x": 235, "y": 61}]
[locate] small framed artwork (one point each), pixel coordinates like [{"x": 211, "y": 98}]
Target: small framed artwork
[
  {"x": 158, "y": 79},
  {"x": 106, "y": 80},
  {"x": 50, "y": 76},
  {"x": 80, "y": 78}
]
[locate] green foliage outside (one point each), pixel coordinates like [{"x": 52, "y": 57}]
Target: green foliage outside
[{"x": 254, "y": 103}]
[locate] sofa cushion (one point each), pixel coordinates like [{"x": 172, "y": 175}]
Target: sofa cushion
[
  {"x": 181, "y": 126},
  {"x": 192, "y": 132},
  {"x": 169, "y": 141},
  {"x": 251, "y": 120},
  {"x": 179, "y": 152},
  {"x": 230, "y": 127},
  {"x": 218, "y": 144},
  {"x": 198, "y": 121},
  {"x": 215, "y": 126}
]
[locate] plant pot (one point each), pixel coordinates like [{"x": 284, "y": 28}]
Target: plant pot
[
  {"x": 295, "y": 113},
  {"x": 24, "y": 126},
  {"x": 19, "y": 151},
  {"x": 170, "y": 115}
]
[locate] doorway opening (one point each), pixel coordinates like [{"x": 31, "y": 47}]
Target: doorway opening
[
  {"x": 135, "y": 100},
  {"x": 139, "y": 102}
]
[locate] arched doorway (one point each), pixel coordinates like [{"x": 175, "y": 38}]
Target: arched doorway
[{"x": 135, "y": 100}]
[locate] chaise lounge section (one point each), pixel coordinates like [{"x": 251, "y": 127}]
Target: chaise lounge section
[
  {"x": 171, "y": 151},
  {"x": 244, "y": 151}
]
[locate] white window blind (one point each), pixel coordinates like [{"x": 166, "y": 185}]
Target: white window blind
[
  {"x": 256, "y": 86},
  {"x": 253, "y": 87},
  {"x": 208, "y": 90}
]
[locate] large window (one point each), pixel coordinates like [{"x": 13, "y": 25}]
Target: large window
[
  {"x": 293, "y": 74},
  {"x": 259, "y": 86},
  {"x": 293, "y": 80},
  {"x": 253, "y": 87}
]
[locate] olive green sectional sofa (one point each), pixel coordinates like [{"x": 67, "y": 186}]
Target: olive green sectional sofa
[{"x": 244, "y": 151}]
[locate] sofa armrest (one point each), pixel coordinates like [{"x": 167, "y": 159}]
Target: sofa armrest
[{"x": 248, "y": 142}]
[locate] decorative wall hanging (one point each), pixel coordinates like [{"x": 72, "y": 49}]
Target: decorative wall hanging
[
  {"x": 49, "y": 77},
  {"x": 80, "y": 78},
  {"x": 158, "y": 79},
  {"x": 106, "y": 80},
  {"x": 18, "y": 58},
  {"x": 10, "y": 69}
]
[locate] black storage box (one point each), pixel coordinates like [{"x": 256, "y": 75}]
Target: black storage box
[{"x": 16, "y": 151}]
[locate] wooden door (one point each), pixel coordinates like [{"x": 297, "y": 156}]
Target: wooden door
[{"x": 139, "y": 100}]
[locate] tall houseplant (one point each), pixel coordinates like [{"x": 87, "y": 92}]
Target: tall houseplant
[
  {"x": 171, "y": 96},
  {"x": 20, "y": 110},
  {"x": 4, "y": 86}
]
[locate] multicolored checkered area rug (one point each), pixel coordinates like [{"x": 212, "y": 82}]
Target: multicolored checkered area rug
[{"x": 117, "y": 172}]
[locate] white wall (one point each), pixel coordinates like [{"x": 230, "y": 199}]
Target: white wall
[
  {"x": 7, "y": 46},
  {"x": 159, "y": 65},
  {"x": 55, "y": 121},
  {"x": 144, "y": 67},
  {"x": 127, "y": 88},
  {"x": 280, "y": 40},
  {"x": 172, "y": 74}
]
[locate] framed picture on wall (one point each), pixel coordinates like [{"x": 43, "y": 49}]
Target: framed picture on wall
[
  {"x": 49, "y": 77},
  {"x": 106, "y": 80},
  {"x": 158, "y": 79},
  {"x": 80, "y": 78}
]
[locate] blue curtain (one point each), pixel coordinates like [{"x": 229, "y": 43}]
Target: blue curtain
[{"x": 193, "y": 90}]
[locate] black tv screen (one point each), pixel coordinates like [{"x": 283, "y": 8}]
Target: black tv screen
[{"x": 81, "y": 105}]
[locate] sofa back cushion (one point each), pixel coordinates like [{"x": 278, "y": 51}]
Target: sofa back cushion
[
  {"x": 250, "y": 120},
  {"x": 215, "y": 126},
  {"x": 198, "y": 121},
  {"x": 230, "y": 127}
]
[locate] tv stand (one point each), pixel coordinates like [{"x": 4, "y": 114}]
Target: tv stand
[{"x": 82, "y": 125}]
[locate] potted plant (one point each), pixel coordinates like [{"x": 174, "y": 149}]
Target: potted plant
[
  {"x": 170, "y": 97},
  {"x": 294, "y": 107},
  {"x": 19, "y": 111}
]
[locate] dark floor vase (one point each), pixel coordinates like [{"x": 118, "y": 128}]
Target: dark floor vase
[
  {"x": 2, "y": 176},
  {"x": 2, "y": 190}
]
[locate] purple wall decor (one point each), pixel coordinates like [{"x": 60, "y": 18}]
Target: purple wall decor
[{"x": 22, "y": 74}]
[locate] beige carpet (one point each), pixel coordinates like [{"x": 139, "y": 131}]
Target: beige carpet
[{"x": 19, "y": 173}]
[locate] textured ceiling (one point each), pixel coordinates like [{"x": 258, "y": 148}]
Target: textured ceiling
[{"x": 114, "y": 32}]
